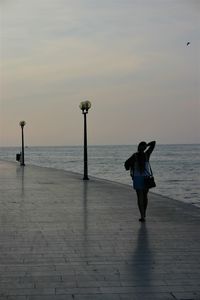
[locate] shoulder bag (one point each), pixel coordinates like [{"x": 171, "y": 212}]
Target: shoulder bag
[{"x": 149, "y": 181}]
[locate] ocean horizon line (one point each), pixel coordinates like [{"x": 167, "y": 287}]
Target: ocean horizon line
[{"x": 96, "y": 145}]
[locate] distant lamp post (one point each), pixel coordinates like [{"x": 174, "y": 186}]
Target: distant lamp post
[
  {"x": 22, "y": 124},
  {"x": 85, "y": 106}
]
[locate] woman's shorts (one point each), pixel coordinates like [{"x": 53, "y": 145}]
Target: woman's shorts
[{"x": 138, "y": 182}]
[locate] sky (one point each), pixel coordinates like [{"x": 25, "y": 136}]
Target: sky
[{"x": 129, "y": 58}]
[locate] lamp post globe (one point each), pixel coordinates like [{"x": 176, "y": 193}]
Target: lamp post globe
[
  {"x": 85, "y": 106},
  {"x": 22, "y": 124}
]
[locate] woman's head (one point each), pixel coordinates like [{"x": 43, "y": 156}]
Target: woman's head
[{"x": 142, "y": 146}]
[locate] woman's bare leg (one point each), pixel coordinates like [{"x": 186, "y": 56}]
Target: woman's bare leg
[
  {"x": 140, "y": 198},
  {"x": 145, "y": 197}
]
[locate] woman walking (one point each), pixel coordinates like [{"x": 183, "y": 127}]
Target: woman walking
[{"x": 139, "y": 166}]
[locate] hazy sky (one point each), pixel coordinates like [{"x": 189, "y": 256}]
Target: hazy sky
[{"x": 128, "y": 57}]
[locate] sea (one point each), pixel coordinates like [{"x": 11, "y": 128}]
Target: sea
[{"x": 176, "y": 168}]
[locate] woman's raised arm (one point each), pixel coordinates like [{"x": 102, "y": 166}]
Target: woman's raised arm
[{"x": 150, "y": 148}]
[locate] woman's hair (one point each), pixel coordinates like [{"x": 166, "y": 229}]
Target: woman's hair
[{"x": 142, "y": 146}]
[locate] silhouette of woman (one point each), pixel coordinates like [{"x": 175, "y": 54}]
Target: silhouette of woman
[{"x": 138, "y": 164}]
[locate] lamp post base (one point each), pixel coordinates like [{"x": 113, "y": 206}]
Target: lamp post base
[{"x": 85, "y": 178}]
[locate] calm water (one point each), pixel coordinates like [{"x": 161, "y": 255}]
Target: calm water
[{"x": 176, "y": 167}]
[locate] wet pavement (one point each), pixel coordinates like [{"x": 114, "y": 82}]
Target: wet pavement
[{"x": 65, "y": 238}]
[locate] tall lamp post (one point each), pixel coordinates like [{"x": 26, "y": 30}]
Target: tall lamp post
[
  {"x": 85, "y": 106},
  {"x": 22, "y": 124}
]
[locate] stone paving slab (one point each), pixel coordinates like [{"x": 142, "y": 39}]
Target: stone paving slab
[{"x": 65, "y": 238}]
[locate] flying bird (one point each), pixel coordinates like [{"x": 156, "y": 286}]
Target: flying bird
[{"x": 188, "y": 43}]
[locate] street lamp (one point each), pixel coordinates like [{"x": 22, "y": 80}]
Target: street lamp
[
  {"x": 85, "y": 106},
  {"x": 22, "y": 124}
]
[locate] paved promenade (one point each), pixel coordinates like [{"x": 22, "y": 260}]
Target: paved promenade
[{"x": 62, "y": 238}]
